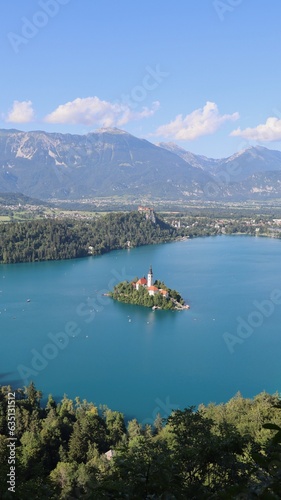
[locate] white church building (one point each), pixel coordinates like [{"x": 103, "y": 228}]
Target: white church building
[{"x": 148, "y": 284}]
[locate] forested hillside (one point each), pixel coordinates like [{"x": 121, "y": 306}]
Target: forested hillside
[
  {"x": 48, "y": 239},
  {"x": 226, "y": 451}
]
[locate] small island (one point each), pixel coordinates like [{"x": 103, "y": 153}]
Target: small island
[{"x": 148, "y": 293}]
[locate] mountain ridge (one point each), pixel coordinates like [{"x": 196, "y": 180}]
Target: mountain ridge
[{"x": 113, "y": 162}]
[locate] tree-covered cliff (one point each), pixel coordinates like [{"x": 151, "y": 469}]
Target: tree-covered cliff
[{"x": 39, "y": 240}]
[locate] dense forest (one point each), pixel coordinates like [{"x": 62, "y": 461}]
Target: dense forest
[
  {"x": 54, "y": 239},
  {"x": 49, "y": 239},
  {"x": 225, "y": 451},
  {"x": 126, "y": 292}
]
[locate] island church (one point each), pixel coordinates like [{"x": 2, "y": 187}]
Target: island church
[{"x": 148, "y": 284}]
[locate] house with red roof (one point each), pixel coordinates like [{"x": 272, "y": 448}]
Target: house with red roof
[
  {"x": 141, "y": 282},
  {"x": 153, "y": 290}
]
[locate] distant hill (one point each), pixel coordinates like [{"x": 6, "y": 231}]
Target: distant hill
[
  {"x": 20, "y": 199},
  {"x": 111, "y": 162},
  {"x": 249, "y": 174}
]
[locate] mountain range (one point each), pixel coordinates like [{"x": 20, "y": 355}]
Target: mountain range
[{"x": 112, "y": 162}]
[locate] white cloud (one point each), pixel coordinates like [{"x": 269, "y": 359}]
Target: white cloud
[
  {"x": 21, "y": 112},
  {"x": 268, "y": 131},
  {"x": 202, "y": 121},
  {"x": 93, "y": 111}
]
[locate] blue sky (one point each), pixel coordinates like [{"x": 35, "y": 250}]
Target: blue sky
[{"x": 204, "y": 74}]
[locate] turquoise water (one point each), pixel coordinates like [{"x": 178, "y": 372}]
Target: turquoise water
[{"x": 132, "y": 359}]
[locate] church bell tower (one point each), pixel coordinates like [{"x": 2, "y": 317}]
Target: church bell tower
[{"x": 150, "y": 277}]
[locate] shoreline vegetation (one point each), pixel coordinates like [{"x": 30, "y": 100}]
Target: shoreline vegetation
[
  {"x": 40, "y": 240},
  {"x": 75, "y": 449},
  {"x": 59, "y": 239}
]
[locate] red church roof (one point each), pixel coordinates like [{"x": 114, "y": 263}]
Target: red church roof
[{"x": 142, "y": 281}]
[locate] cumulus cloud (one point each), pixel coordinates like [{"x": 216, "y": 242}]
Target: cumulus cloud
[
  {"x": 202, "y": 121},
  {"x": 93, "y": 111},
  {"x": 268, "y": 131},
  {"x": 21, "y": 112}
]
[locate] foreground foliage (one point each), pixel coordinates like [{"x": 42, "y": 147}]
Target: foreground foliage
[{"x": 219, "y": 451}]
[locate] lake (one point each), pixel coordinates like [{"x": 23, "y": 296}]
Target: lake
[{"x": 58, "y": 329}]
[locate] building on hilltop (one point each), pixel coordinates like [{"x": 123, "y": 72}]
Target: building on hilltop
[
  {"x": 149, "y": 213},
  {"x": 176, "y": 223}
]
